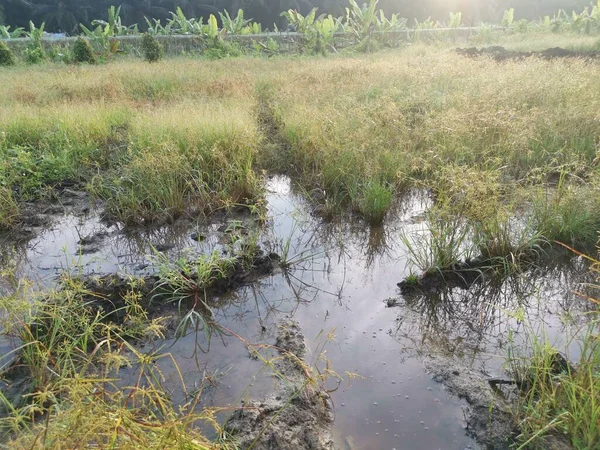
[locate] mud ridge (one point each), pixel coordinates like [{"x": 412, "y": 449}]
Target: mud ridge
[
  {"x": 297, "y": 416},
  {"x": 501, "y": 54},
  {"x": 108, "y": 291},
  {"x": 38, "y": 215}
]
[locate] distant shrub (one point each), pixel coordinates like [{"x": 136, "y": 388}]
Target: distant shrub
[
  {"x": 7, "y": 57},
  {"x": 83, "y": 52},
  {"x": 151, "y": 47}
]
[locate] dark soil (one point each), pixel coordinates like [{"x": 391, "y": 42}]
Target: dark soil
[{"x": 501, "y": 54}]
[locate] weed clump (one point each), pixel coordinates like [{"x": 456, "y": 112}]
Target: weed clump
[
  {"x": 569, "y": 214},
  {"x": 558, "y": 401},
  {"x": 71, "y": 357},
  {"x": 83, "y": 52},
  {"x": 152, "y": 49},
  {"x": 7, "y": 57},
  {"x": 374, "y": 201},
  {"x": 9, "y": 209}
]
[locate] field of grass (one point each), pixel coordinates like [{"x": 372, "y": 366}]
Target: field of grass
[
  {"x": 187, "y": 136},
  {"x": 507, "y": 150}
]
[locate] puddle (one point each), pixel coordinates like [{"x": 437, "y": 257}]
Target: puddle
[{"x": 340, "y": 278}]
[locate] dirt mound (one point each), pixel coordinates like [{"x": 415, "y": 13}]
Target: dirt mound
[
  {"x": 501, "y": 54},
  {"x": 297, "y": 416}
]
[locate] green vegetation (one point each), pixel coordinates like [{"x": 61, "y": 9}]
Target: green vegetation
[
  {"x": 484, "y": 138},
  {"x": 83, "y": 51},
  {"x": 558, "y": 401},
  {"x": 70, "y": 357},
  {"x": 364, "y": 28},
  {"x": 152, "y": 49},
  {"x": 34, "y": 53},
  {"x": 7, "y": 57},
  {"x": 77, "y": 347},
  {"x": 507, "y": 153},
  {"x": 569, "y": 214},
  {"x": 66, "y": 16}
]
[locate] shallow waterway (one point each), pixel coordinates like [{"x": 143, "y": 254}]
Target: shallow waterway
[{"x": 339, "y": 281}]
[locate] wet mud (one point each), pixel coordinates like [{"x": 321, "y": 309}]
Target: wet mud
[
  {"x": 297, "y": 415},
  {"x": 37, "y": 216},
  {"x": 488, "y": 415}
]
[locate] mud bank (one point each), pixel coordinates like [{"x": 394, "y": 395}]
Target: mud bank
[
  {"x": 501, "y": 54},
  {"x": 488, "y": 415},
  {"x": 107, "y": 292},
  {"x": 298, "y": 415},
  {"x": 36, "y": 216}
]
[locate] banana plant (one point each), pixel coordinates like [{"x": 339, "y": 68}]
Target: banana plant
[
  {"x": 36, "y": 34},
  {"x": 252, "y": 28},
  {"x": 179, "y": 24},
  {"x": 394, "y": 23},
  {"x": 508, "y": 17},
  {"x": 235, "y": 25},
  {"x": 427, "y": 24},
  {"x": 114, "y": 25},
  {"x": 317, "y": 32},
  {"x": 360, "y": 21},
  {"x": 455, "y": 20},
  {"x": 324, "y": 28},
  {"x": 298, "y": 22},
  {"x": 156, "y": 27},
  {"x": 211, "y": 29},
  {"x": 559, "y": 21},
  {"x": 34, "y": 53},
  {"x": 5, "y": 32}
]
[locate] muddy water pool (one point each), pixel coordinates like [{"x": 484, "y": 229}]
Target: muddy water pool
[{"x": 340, "y": 280}]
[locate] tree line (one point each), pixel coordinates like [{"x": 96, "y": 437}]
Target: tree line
[{"x": 66, "y": 15}]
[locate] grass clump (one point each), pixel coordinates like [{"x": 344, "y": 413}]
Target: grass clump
[
  {"x": 444, "y": 242},
  {"x": 152, "y": 49},
  {"x": 9, "y": 208},
  {"x": 560, "y": 401},
  {"x": 374, "y": 201},
  {"x": 470, "y": 130},
  {"x": 171, "y": 168},
  {"x": 569, "y": 214},
  {"x": 7, "y": 57},
  {"x": 83, "y": 51}
]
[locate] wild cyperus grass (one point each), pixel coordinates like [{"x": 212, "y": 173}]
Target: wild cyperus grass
[
  {"x": 186, "y": 282},
  {"x": 9, "y": 209},
  {"x": 374, "y": 200},
  {"x": 72, "y": 353},
  {"x": 444, "y": 242},
  {"x": 174, "y": 166},
  {"x": 560, "y": 401},
  {"x": 569, "y": 213}
]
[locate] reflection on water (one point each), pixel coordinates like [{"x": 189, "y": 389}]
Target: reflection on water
[{"x": 340, "y": 276}]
